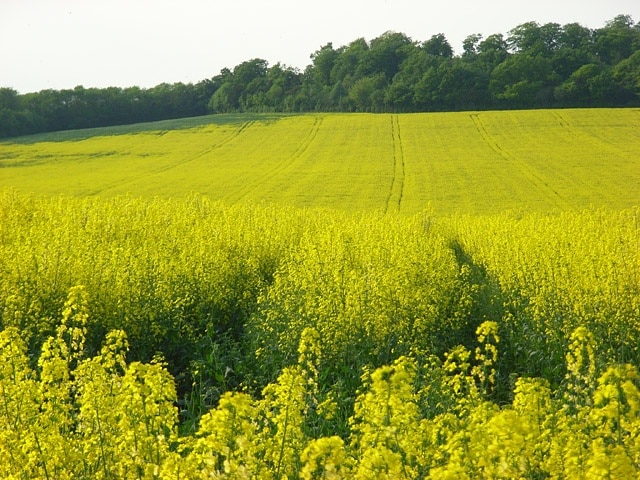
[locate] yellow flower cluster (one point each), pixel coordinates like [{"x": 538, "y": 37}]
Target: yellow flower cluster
[
  {"x": 101, "y": 417},
  {"x": 83, "y": 418}
]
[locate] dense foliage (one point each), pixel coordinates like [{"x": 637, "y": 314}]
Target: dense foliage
[
  {"x": 533, "y": 66},
  {"x": 185, "y": 339}
]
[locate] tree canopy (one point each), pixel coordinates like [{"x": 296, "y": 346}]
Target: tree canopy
[{"x": 534, "y": 66}]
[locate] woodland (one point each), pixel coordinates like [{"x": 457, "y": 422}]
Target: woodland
[{"x": 533, "y": 66}]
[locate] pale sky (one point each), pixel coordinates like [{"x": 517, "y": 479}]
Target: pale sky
[{"x": 99, "y": 43}]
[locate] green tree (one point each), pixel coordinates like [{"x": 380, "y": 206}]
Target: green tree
[
  {"x": 438, "y": 46},
  {"x": 283, "y": 83},
  {"x": 576, "y": 37},
  {"x": 617, "y": 40},
  {"x": 574, "y": 49},
  {"x": 426, "y": 89},
  {"x": 367, "y": 93},
  {"x": 533, "y": 39},
  {"x": 339, "y": 97},
  {"x": 604, "y": 90},
  {"x": 521, "y": 79},
  {"x": 10, "y": 123},
  {"x": 323, "y": 62},
  {"x": 470, "y": 45},
  {"x": 401, "y": 94},
  {"x": 627, "y": 75},
  {"x": 348, "y": 60},
  {"x": 492, "y": 51},
  {"x": 385, "y": 55},
  {"x": 462, "y": 85},
  {"x": 224, "y": 99},
  {"x": 576, "y": 90},
  {"x": 9, "y": 99}
]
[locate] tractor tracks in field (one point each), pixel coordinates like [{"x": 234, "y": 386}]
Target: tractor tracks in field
[
  {"x": 530, "y": 173},
  {"x": 182, "y": 161},
  {"x": 280, "y": 166},
  {"x": 487, "y": 137},
  {"x": 561, "y": 120},
  {"x": 234, "y": 134},
  {"x": 396, "y": 191},
  {"x": 587, "y": 136}
]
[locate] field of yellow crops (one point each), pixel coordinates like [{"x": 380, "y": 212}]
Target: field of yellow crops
[
  {"x": 485, "y": 162},
  {"x": 168, "y": 311}
]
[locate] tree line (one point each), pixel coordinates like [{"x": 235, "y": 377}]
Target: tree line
[{"x": 533, "y": 66}]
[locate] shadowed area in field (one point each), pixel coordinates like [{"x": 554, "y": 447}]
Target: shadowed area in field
[{"x": 517, "y": 328}]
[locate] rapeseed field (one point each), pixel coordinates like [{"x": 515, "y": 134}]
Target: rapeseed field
[
  {"x": 478, "y": 163},
  {"x": 436, "y": 296}
]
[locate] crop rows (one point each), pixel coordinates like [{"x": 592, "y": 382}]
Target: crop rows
[{"x": 482, "y": 162}]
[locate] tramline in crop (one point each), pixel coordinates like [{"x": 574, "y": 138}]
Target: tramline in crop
[{"x": 461, "y": 162}]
